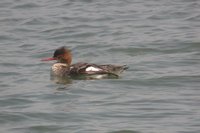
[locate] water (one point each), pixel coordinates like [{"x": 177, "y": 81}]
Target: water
[{"x": 158, "y": 40}]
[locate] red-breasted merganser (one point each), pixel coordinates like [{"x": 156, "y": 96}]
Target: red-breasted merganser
[{"x": 63, "y": 67}]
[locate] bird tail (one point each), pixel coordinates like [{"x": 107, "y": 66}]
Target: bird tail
[{"x": 115, "y": 70}]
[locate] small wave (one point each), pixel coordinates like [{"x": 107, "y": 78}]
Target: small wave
[
  {"x": 9, "y": 73},
  {"x": 194, "y": 18},
  {"x": 125, "y": 131},
  {"x": 26, "y": 6},
  {"x": 34, "y": 21}
]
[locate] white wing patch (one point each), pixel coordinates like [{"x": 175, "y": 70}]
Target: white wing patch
[{"x": 91, "y": 68}]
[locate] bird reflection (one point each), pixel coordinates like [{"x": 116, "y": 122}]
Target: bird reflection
[
  {"x": 60, "y": 80},
  {"x": 69, "y": 79}
]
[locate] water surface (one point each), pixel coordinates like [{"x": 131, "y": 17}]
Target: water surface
[{"x": 158, "y": 40}]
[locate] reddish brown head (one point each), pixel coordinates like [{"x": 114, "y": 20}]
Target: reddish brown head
[{"x": 62, "y": 55}]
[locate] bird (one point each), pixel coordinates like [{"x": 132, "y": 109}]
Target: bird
[{"x": 64, "y": 67}]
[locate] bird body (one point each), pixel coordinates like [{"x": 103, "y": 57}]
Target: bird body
[{"x": 63, "y": 66}]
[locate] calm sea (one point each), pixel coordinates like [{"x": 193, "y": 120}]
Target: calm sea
[{"x": 158, "y": 39}]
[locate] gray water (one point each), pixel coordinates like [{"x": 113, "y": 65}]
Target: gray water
[{"x": 158, "y": 39}]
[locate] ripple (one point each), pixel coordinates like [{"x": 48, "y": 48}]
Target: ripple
[
  {"x": 42, "y": 128},
  {"x": 11, "y": 117},
  {"x": 125, "y": 131},
  {"x": 26, "y": 6},
  {"x": 9, "y": 73},
  {"x": 77, "y": 35},
  {"x": 5, "y": 37},
  {"x": 34, "y": 21},
  {"x": 194, "y": 18},
  {"x": 134, "y": 51},
  {"x": 13, "y": 102}
]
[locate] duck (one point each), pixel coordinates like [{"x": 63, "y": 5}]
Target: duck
[{"x": 64, "y": 67}]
